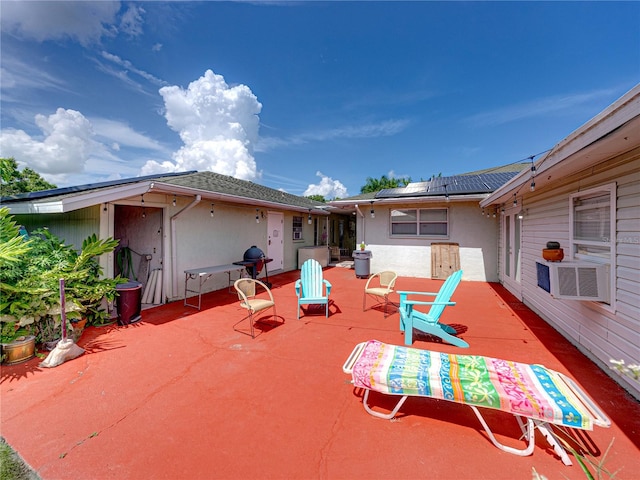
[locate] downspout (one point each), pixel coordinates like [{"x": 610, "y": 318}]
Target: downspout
[
  {"x": 174, "y": 245},
  {"x": 363, "y": 225}
]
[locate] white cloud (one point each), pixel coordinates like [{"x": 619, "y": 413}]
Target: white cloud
[
  {"x": 129, "y": 67},
  {"x": 536, "y": 108},
  {"x": 328, "y": 188},
  {"x": 71, "y": 145},
  {"x": 65, "y": 146},
  {"x": 131, "y": 20},
  {"x": 17, "y": 74},
  {"x": 121, "y": 134},
  {"x": 85, "y": 22},
  {"x": 382, "y": 129},
  {"x": 218, "y": 125}
]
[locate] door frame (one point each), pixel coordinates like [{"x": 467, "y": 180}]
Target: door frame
[
  {"x": 511, "y": 251},
  {"x": 275, "y": 240}
]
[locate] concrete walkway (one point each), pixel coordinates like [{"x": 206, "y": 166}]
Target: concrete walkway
[{"x": 182, "y": 395}]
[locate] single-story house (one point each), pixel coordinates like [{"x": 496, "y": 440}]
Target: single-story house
[
  {"x": 432, "y": 228},
  {"x": 585, "y": 194},
  {"x": 182, "y": 221}
]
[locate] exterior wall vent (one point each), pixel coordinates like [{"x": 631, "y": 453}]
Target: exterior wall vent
[{"x": 579, "y": 281}]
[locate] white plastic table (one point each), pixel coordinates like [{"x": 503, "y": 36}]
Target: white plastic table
[{"x": 202, "y": 275}]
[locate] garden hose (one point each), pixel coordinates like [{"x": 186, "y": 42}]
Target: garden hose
[{"x": 125, "y": 263}]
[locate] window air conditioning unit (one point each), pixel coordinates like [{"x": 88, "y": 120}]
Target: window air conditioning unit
[{"x": 579, "y": 281}]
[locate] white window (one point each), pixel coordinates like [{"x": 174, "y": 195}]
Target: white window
[
  {"x": 592, "y": 227},
  {"x": 592, "y": 218},
  {"x": 424, "y": 222},
  {"x": 297, "y": 228}
]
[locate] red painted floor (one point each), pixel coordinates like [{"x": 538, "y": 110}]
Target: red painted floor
[{"x": 181, "y": 395}]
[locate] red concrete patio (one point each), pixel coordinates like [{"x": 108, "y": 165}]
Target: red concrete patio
[{"x": 181, "y": 395}]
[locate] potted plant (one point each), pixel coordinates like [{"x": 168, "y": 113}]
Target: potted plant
[
  {"x": 362, "y": 246},
  {"x": 17, "y": 344},
  {"x": 30, "y": 280},
  {"x": 553, "y": 252}
]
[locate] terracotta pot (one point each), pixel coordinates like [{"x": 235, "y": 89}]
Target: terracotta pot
[
  {"x": 79, "y": 325},
  {"x": 553, "y": 254},
  {"x": 19, "y": 350}
]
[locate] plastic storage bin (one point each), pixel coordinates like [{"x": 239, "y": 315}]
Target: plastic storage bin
[
  {"x": 362, "y": 263},
  {"x": 128, "y": 302}
]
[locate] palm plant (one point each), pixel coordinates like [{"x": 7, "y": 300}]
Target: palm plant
[{"x": 30, "y": 280}]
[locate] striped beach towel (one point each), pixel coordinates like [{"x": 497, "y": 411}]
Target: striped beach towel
[{"x": 531, "y": 391}]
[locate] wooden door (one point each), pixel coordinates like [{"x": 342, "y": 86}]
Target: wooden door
[{"x": 445, "y": 259}]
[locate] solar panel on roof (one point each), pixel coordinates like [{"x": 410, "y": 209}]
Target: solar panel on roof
[{"x": 458, "y": 184}]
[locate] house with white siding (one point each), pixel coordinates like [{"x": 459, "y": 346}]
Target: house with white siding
[{"x": 585, "y": 194}]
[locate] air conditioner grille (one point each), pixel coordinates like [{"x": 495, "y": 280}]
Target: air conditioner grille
[
  {"x": 567, "y": 284},
  {"x": 588, "y": 282},
  {"x": 579, "y": 281}
]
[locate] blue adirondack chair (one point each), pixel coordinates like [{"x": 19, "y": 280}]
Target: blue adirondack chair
[
  {"x": 429, "y": 322},
  {"x": 310, "y": 286}
]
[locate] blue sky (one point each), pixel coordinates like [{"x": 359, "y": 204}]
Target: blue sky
[{"x": 310, "y": 98}]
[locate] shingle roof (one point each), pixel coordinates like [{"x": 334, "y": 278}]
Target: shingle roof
[
  {"x": 224, "y": 184},
  {"x": 200, "y": 181}
]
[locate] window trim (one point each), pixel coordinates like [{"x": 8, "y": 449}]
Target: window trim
[
  {"x": 418, "y": 223},
  {"x": 297, "y": 229},
  {"x": 609, "y": 242}
]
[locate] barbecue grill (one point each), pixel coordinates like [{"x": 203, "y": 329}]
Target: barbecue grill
[{"x": 254, "y": 260}]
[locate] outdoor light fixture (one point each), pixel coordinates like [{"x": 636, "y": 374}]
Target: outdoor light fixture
[
  {"x": 144, "y": 211},
  {"x": 309, "y": 218},
  {"x": 373, "y": 213},
  {"x": 142, "y": 200},
  {"x": 533, "y": 185},
  {"x": 211, "y": 210},
  {"x": 446, "y": 194},
  {"x": 515, "y": 200},
  {"x": 257, "y": 215},
  {"x": 174, "y": 200}
]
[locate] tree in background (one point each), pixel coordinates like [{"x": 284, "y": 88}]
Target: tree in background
[
  {"x": 14, "y": 181},
  {"x": 317, "y": 198},
  {"x": 377, "y": 184}
]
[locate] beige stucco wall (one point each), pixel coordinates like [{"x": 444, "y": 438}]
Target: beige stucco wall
[
  {"x": 411, "y": 256},
  {"x": 205, "y": 241}
]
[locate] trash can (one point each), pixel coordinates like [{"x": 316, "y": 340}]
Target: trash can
[
  {"x": 128, "y": 302},
  {"x": 362, "y": 260}
]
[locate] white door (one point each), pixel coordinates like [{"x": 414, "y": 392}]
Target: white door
[
  {"x": 511, "y": 251},
  {"x": 275, "y": 240}
]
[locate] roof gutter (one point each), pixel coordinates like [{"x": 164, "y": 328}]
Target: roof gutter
[
  {"x": 618, "y": 119},
  {"x": 225, "y": 197},
  {"x": 174, "y": 244}
]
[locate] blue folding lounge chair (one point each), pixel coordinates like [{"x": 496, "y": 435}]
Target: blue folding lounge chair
[
  {"x": 429, "y": 322},
  {"x": 310, "y": 286},
  {"x": 536, "y": 396}
]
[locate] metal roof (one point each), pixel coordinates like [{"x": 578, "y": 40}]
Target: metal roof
[{"x": 454, "y": 185}]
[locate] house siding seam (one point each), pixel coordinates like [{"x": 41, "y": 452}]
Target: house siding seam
[{"x": 601, "y": 334}]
